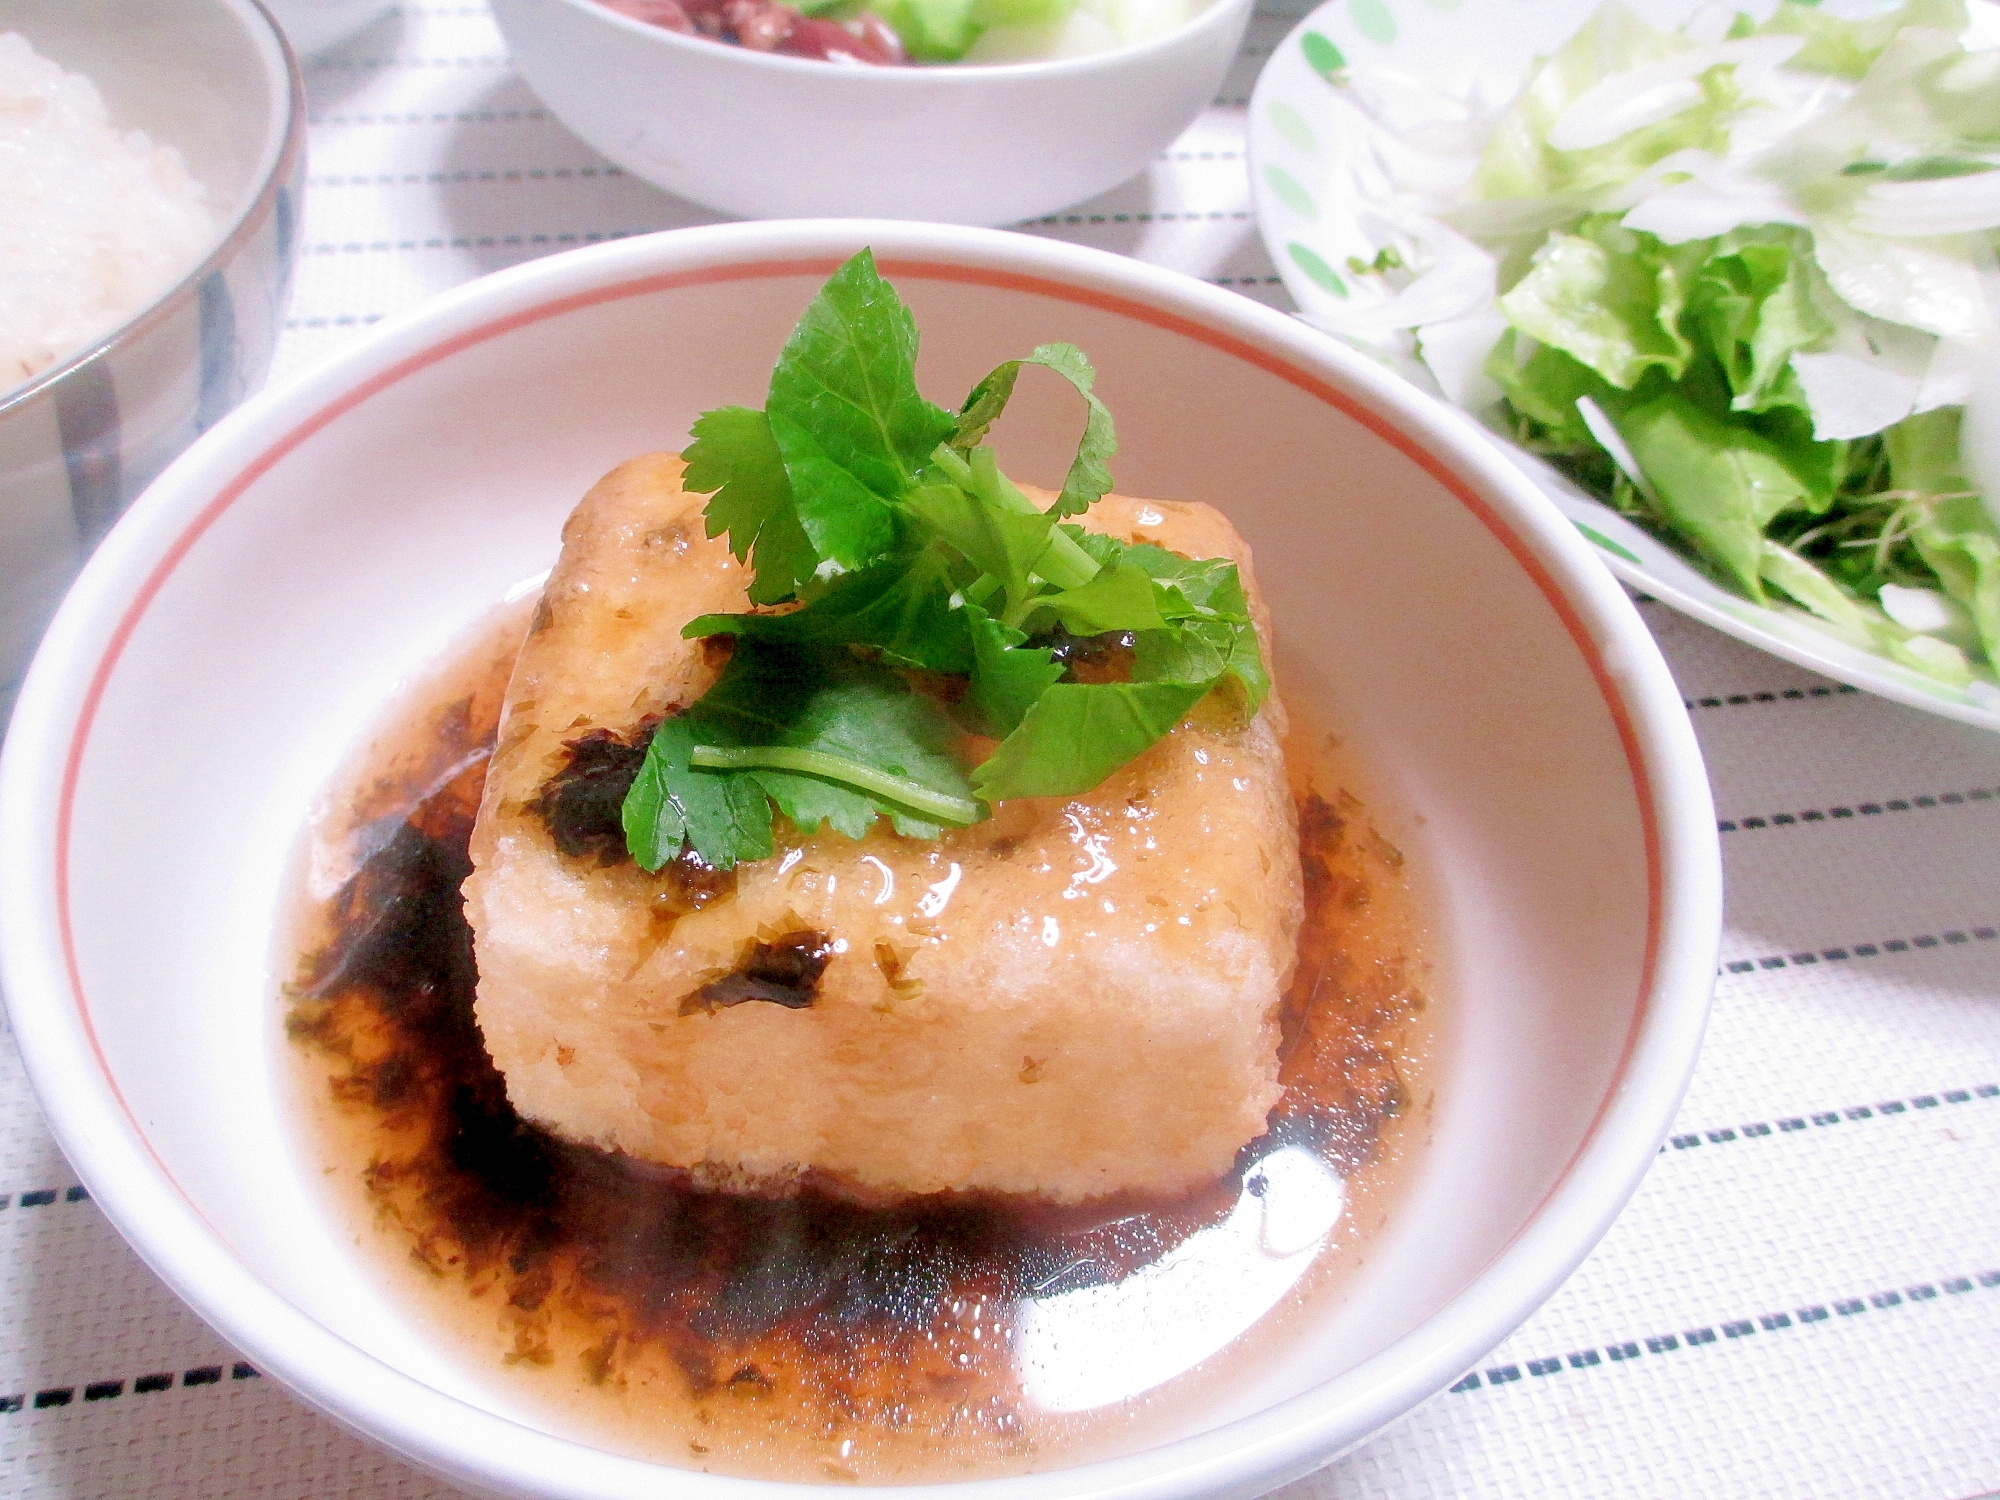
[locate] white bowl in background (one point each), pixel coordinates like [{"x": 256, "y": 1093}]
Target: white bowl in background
[
  {"x": 213, "y": 79},
  {"x": 768, "y": 136},
  {"x": 251, "y": 616}
]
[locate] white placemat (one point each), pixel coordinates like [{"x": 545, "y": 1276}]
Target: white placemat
[{"x": 1804, "y": 1298}]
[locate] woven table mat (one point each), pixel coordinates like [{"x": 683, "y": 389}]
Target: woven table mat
[{"x": 1802, "y": 1300}]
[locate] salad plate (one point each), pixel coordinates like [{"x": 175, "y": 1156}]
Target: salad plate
[{"x": 1371, "y": 113}]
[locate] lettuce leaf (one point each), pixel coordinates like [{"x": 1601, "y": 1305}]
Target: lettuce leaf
[
  {"x": 1732, "y": 267},
  {"x": 1619, "y": 101},
  {"x": 932, "y": 30},
  {"x": 1543, "y": 385},
  {"x": 1119, "y": 598},
  {"x": 1866, "y": 625},
  {"x": 1753, "y": 303},
  {"x": 1948, "y": 524},
  {"x": 1608, "y": 297},
  {"x": 1848, "y": 48},
  {"x": 1718, "y": 483},
  {"x": 1956, "y": 538}
]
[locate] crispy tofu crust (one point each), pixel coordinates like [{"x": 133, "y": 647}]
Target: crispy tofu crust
[{"x": 1074, "y": 999}]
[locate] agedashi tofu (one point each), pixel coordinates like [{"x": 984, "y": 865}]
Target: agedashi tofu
[{"x": 1073, "y": 998}]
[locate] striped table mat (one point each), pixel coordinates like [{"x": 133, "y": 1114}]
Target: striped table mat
[{"x": 1804, "y": 1297}]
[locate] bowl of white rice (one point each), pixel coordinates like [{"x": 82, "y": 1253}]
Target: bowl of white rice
[{"x": 151, "y": 154}]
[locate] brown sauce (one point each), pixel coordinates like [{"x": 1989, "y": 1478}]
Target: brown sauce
[{"x": 808, "y": 1337}]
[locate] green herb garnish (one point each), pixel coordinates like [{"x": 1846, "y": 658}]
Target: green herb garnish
[{"x": 887, "y": 521}]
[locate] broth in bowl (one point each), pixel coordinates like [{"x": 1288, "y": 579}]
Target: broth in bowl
[{"x": 811, "y": 1336}]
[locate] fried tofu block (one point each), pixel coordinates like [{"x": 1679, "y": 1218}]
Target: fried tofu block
[{"x": 1076, "y": 998}]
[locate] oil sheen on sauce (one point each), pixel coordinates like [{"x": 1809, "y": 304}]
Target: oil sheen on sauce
[{"x": 811, "y": 1337}]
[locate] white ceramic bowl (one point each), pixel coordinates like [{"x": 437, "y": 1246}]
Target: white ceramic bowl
[
  {"x": 213, "y": 78},
  {"x": 252, "y": 614},
  {"x": 767, "y": 136},
  {"x": 1321, "y": 200}
]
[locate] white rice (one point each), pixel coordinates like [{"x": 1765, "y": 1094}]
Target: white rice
[{"x": 94, "y": 221}]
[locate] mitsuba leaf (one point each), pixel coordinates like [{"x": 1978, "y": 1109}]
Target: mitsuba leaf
[
  {"x": 984, "y": 404},
  {"x": 734, "y": 455},
  {"x": 1205, "y": 652},
  {"x": 1089, "y": 477},
  {"x": 809, "y": 802},
  {"x": 847, "y": 416},
  {"x": 1076, "y": 734},
  {"x": 1007, "y": 675},
  {"x": 1187, "y": 585},
  {"x": 1120, "y": 597},
  {"x": 1246, "y": 667},
  {"x": 1105, "y": 551},
  {"x": 798, "y": 698},
  {"x": 906, "y": 549},
  {"x": 1003, "y": 543},
  {"x": 1191, "y": 587},
  {"x": 900, "y": 607},
  {"x": 721, "y": 817},
  {"x": 848, "y": 372},
  {"x": 1205, "y": 634},
  {"x": 848, "y": 524},
  {"x": 829, "y": 700},
  {"x": 909, "y": 618},
  {"x": 1195, "y": 652}
]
